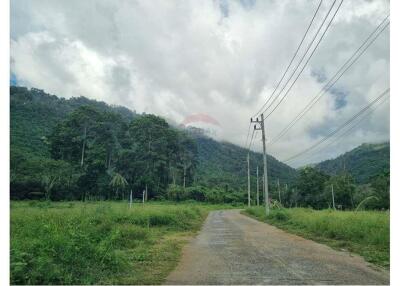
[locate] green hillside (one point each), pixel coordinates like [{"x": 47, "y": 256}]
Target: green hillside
[
  {"x": 223, "y": 163},
  {"x": 35, "y": 115},
  {"x": 363, "y": 163}
]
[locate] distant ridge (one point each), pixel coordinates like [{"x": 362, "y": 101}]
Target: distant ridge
[{"x": 363, "y": 162}]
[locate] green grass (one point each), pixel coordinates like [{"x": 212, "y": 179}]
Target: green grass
[
  {"x": 99, "y": 243},
  {"x": 366, "y": 233}
]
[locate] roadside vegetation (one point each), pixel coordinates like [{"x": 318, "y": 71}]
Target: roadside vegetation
[
  {"x": 81, "y": 149},
  {"x": 85, "y": 159},
  {"x": 366, "y": 233},
  {"x": 99, "y": 242},
  {"x": 77, "y": 148}
]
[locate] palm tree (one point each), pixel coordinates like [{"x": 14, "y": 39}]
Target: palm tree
[
  {"x": 118, "y": 182},
  {"x": 48, "y": 183}
]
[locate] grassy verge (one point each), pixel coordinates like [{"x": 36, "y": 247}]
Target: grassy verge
[
  {"x": 99, "y": 243},
  {"x": 365, "y": 233}
]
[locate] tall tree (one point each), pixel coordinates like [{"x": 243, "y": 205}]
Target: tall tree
[
  {"x": 310, "y": 187},
  {"x": 118, "y": 182},
  {"x": 73, "y": 136}
]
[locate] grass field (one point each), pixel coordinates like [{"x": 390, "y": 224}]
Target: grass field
[
  {"x": 366, "y": 233},
  {"x": 99, "y": 243}
]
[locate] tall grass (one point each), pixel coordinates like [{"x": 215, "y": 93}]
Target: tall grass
[
  {"x": 364, "y": 232},
  {"x": 98, "y": 243}
]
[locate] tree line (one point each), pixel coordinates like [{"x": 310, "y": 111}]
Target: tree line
[
  {"x": 101, "y": 155},
  {"x": 315, "y": 189},
  {"x": 98, "y": 155}
]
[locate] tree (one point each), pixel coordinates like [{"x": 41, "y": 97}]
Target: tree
[
  {"x": 344, "y": 188},
  {"x": 119, "y": 183},
  {"x": 187, "y": 153},
  {"x": 155, "y": 155},
  {"x": 310, "y": 187},
  {"x": 70, "y": 138},
  {"x": 381, "y": 189},
  {"x": 48, "y": 183}
]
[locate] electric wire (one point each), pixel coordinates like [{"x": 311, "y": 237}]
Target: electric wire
[
  {"x": 354, "y": 117},
  {"x": 291, "y": 61},
  {"x": 346, "y": 132},
  {"x": 302, "y": 69},
  {"x": 343, "y": 69}
]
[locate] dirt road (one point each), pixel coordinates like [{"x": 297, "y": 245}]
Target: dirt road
[{"x": 235, "y": 249}]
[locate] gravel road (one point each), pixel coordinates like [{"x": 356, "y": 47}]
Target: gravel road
[{"x": 234, "y": 249}]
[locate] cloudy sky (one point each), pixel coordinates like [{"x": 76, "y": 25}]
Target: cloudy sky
[{"x": 220, "y": 58}]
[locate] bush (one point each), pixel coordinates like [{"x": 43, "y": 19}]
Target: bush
[
  {"x": 89, "y": 243},
  {"x": 203, "y": 194},
  {"x": 364, "y": 232}
]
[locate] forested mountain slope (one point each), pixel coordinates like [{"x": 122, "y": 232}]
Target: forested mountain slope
[
  {"x": 34, "y": 113},
  {"x": 222, "y": 163},
  {"x": 53, "y": 157},
  {"x": 363, "y": 163}
]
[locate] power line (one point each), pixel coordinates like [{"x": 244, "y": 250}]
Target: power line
[
  {"x": 350, "y": 61},
  {"x": 346, "y": 132},
  {"x": 251, "y": 141},
  {"x": 312, "y": 53},
  {"x": 354, "y": 117},
  {"x": 291, "y": 61},
  {"x": 302, "y": 58}
]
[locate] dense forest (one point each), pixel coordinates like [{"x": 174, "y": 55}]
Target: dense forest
[
  {"x": 363, "y": 163},
  {"x": 81, "y": 149},
  {"x": 85, "y": 149}
]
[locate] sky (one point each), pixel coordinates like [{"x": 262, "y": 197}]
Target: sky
[{"x": 218, "y": 58}]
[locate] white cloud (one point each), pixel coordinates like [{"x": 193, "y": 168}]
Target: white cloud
[{"x": 175, "y": 58}]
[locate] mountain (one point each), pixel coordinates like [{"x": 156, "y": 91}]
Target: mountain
[
  {"x": 363, "y": 163},
  {"x": 34, "y": 114},
  {"x": 223, "y": 163}
]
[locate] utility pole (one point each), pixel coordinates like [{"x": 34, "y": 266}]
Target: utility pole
[
  {"x": 143, "y": 197},
  {"x": 248, "y": 179},
  {"x": 258, "y": 193},
  {"x": 279, "y": 192},
  {"x": 262, "y": 127},
  {"x": 263, "y": 185},
  {"x": 286, "y": 191},
  {"x": 130, "y": 200},
  {"x": 333, "y": 198},
  {"x": 83, "y": 145}
]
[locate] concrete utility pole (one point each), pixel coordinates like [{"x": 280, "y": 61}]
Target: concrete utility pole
[
  {"x": 262, "y": 127},
  {"x": 279, "y": 192},
  {"x": 258, "y": 193},
  {"x": 263, "y": 185},
  {"x": 248, "y": 179},
  {"x": 130, "y": 200},
  {"x": 333, "y": 198},
  {"x": 286, "y": 190}
]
